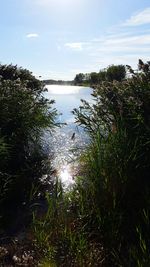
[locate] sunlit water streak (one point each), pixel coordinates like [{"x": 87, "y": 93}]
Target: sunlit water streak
[{"x": 68, "y": 141}]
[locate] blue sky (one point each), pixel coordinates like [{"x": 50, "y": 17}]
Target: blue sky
[{"x": 59, "y": 38}]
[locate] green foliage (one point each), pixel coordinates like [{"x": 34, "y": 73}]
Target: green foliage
[
  {"x": 79, "y": 78},
  {"x": 14, "y": 73},
  {"x": 102, "y": 75},
  {"x": 112, "y": 73},
  {"x": 59, "y": 234},
  {"x": 115, "y": 186},
  {"x": 116, "y": 73},
  {"x": 94, "y": 78},
  {"x": 105, "y": 219},
  {"x": 24, "y": 114}
]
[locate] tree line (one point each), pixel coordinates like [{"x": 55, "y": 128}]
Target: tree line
[{"x": 113, "y": 72}]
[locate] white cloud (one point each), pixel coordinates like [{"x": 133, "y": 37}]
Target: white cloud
[
  {"x": 121, "y": 45},
  {"x": 130, "y": 40},
  {"x": 121, "y": 48},
  {"x": 75, "y": 46},
  {"x": 32, "y": 35},
  {"x": 118, "y": 43},
  {"x": 140, "y": 18}
]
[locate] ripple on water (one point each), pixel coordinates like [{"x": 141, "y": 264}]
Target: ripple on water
[
  {"x": 66, "y": 145},
  {"x": 65, "y": 141}
]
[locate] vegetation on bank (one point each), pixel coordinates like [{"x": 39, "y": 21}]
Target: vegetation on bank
[
  {"x": 111, "y": 73},
  {"x": 24, "y": 114},
  {"x": 105, "y": 220},
  {"x": 117, "y": 195}
]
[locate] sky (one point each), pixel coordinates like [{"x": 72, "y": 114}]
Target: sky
[{"x": 57, "y": 39}]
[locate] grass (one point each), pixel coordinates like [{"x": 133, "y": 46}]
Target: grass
[
  {"x": 60, "y": 236},
  {"x": 105, "y": 220},
  {"x": 99, "y": 222}
]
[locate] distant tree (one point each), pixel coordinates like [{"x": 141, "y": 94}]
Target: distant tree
[
  {"x": 79, "y": 78},
  {"x": 115, "y": 72},
  {"x": 102, "y": 75},
  {"x": 94, "y": 78},
  {"x": 87, "y": 77}
]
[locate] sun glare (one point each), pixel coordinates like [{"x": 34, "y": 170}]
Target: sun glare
[
  {"x": 63, "y": 90},
  {"x": 65, "y": 176}
]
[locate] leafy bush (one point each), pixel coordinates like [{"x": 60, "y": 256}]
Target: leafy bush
[
  {"x": 24, "y": 114},
  {"x": 115, "y": 185}
]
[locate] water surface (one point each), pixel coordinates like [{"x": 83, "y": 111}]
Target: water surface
[{"x": 69, "y": 140}]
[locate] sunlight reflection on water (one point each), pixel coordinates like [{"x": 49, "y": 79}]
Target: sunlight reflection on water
[
  {"x": 63, "y": 90},
  {"x": 68, "y": 141},
  {"x": 66, "y": 175}
]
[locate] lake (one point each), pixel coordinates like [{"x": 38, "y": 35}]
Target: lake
[{"x": 68, "y": 141}]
